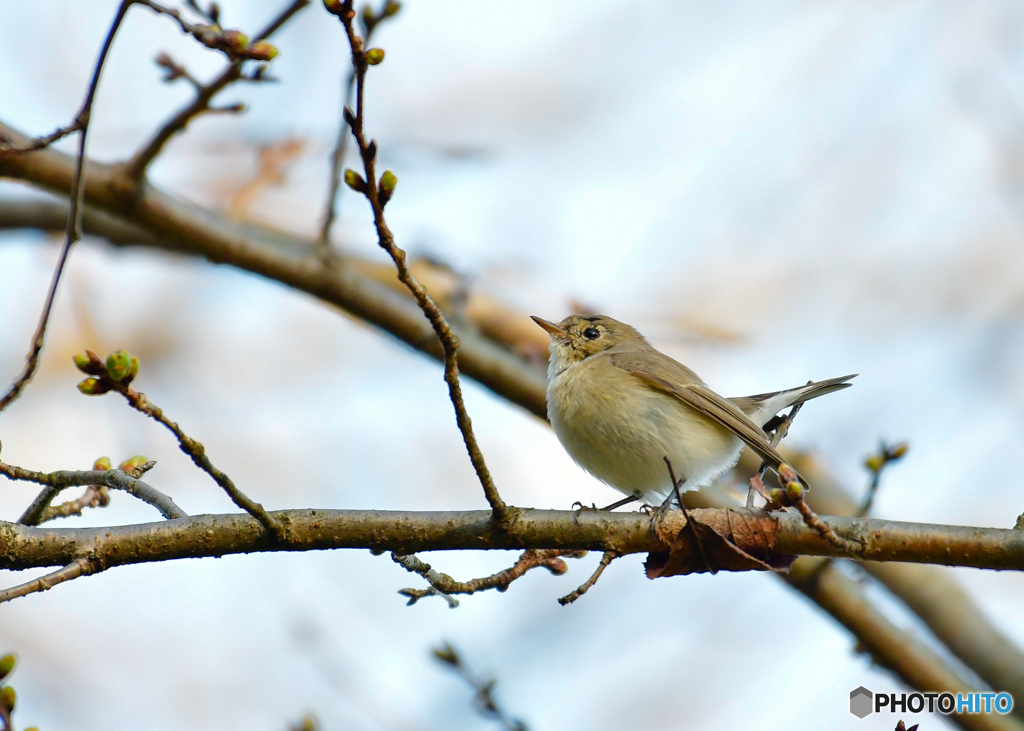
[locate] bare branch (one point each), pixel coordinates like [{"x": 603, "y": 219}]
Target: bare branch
[
  {"x": 484, "y": 688},
  {"x": 888, "y": 645},
  {"x": 73, "y": 229},
  {"x": 444, "y": 585},
  {"x": 360, "y": 287},
  {"x": 56, "y": 482},
  {"x": 232, "y": 43},
  {"x": 135, "y": 168},
  {"x": 94, "y": 497},
  {"x": 378, "y": 195},
  {"x": 79, "y": 567},
  {"x": 371, "y": 21},
  {"x": 23, "y": 547},
  {"x": 197, "y": 453},
  {"x": 876, "y": 464},
  {"x": 606, "y": 559}
]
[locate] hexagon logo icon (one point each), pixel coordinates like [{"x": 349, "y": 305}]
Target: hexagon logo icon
[{"x": 861, "y": 702}]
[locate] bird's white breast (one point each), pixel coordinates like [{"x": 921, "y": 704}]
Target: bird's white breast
[{"x": 621, "y": 431}]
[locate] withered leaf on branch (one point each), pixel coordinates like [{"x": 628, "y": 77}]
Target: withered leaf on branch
[{"x": 737, "y": 539}]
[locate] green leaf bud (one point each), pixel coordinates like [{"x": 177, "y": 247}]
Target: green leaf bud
[
  {"x": 7, "y": 663},
  {"x": 103, "y": 463},
  {"x": 374, "y": 56},
  {"x": 262, "y": 51},
  {"x": 93, "y": 387},
  {"x": 118, "y": 364},
  {"x": 8, "y": 697},
  {"x": 132, "y": 463},
  {"x": 355, "y": 181}
]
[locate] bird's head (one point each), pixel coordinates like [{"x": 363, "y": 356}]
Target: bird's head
[{"x": 580, "y": 336}]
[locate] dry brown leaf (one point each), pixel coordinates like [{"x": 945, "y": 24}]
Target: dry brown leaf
[{"x": 729, "y": 540}]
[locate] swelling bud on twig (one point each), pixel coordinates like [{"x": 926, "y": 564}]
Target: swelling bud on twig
[
  {"x": 262, "y": 51},
  {"x": 374, "y": 56},
  {"x": 7, "y": 663},
  {"x": 93, "y": 387},
  {"x": 355, "y": 181},
  {"x": 90, "y": 364},
  {"x": 334, "y": 7},
  {"x": 388, "y": 181},
  {"x": 392, "y": 8},
  {"x": 8, "y": 697},
  {"x": 236, "y": 40},
  {"x": 119, "y": 363},
  {"x": 447, "y": 654},
  {"x": 102, "y": 464},
  {"x": 133, "y": 463}
]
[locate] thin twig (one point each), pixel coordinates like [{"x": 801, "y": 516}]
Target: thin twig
[
  {"x": 484, "y": 688},
  {"x": 56, "y": 482},
  {"x": 73, "y": 229},
  {"x": 94, "y": 497},
  {"x": 444, "y": 585},
  {"x": 693, "y": 528},
  {"x": 197, "y": 453},
  {"x": 231, "y": 43},
  {"x": 876, "y": 464},
  {"x": 370, "y": 22},
  {"x": 79, "y": 567},
  {"x": 795, "y": 493},
  {"x": 606, "y": 559},
  {"x": 136, "y": 166},
  {"x": 449, "y": 344},
  {"x": 175, "y": 71}
]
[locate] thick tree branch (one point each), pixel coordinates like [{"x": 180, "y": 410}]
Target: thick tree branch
[
  {"x": 181, "y": 227},
  {"x": 888, "y": 645},
  {"x": 24, "y": 547},
  {"x": 934, "y": 595}
]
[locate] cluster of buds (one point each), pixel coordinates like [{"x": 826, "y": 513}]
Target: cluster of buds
[
  {"x": 120, "y": 368},
  {"x": 885, "y": 454},
  {"x": 232, "y": 42},
  {"x": 792, "y": 492},
  {"x": 385, "y": 188},
  {"x": 8, "y": 698}
]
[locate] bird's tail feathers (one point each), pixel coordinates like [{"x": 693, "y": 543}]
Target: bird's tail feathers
[{"x": 762, "y": 407}]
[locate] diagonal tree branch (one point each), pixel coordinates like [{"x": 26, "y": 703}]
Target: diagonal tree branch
[
  {"x": 182, "y": 227},
  {"x": 73, "y": 228}
]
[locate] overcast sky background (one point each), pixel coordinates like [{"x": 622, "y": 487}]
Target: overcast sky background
[{"x": 772, "y": 192}]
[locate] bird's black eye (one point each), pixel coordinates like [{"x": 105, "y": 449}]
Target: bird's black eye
[{"x": 591, "y": 333}]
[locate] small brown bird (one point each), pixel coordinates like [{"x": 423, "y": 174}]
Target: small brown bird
[{"x": 620, "y": 408}]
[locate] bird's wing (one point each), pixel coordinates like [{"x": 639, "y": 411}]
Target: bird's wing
[{"x": 664, "y": 374}]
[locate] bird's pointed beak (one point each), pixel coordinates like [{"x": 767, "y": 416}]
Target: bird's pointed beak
[{"x": 549, "y": 327}]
